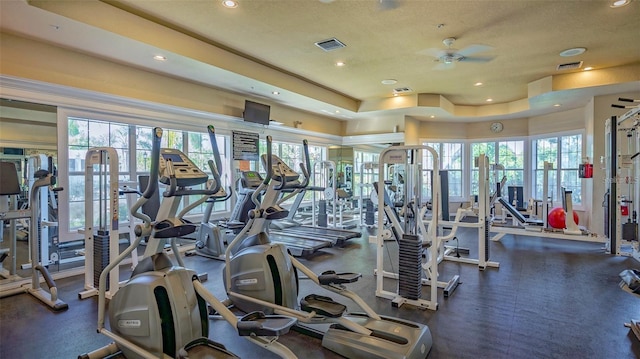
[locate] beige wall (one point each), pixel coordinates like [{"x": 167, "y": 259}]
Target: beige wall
[
  {"x": 374, "y": 125},
  {"x": 35, "y": 60}
]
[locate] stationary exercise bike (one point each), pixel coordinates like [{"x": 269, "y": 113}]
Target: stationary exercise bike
[
  {"x": 161, "y": 312},
  {"x": 261, "y": 275}
]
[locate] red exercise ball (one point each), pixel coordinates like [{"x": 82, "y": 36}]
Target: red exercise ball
[{"x": 557, "y": 218}]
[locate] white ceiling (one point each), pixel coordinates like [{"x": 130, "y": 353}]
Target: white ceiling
[{"x": 267, "y": 45}]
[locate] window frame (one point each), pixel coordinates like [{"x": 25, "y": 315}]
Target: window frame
[{"x": 558, "y": 168}]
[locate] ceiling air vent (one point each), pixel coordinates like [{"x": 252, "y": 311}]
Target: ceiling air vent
[
  {"x": 569, "y": 66},
  {"x": 330, "y": 44},
  {"x": 401, "y": 90}
]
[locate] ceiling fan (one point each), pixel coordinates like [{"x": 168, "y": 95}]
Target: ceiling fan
[{"x": 448, "y": 57}]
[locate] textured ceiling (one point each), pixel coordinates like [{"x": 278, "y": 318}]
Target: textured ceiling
[{"x": 526, "y": 37}]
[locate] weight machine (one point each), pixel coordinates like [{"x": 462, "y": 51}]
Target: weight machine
[
  {"x": 9, "y": 186},
  {"x": 417, "y": 244},
  {"x": 622, "y": 193},
  {"x": 368, "y": 175},
  {"x": 323, "y": 173},
  {"x": 102, "y": 242},
  {"x": 539, "y": 227},
  {"x": 49, "y": 252},
  {"x": 482, "y": 212}
]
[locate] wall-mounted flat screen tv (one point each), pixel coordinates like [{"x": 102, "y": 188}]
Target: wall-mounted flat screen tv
[{"x": 256, "y": 112}]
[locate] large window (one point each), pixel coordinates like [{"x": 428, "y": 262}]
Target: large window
[
  {"x": 564, "y": 153},
  {"x": 129, "y": 141},
  {"x": 365, "y": 167},
  {"x": 509, "y": 158},
  {"x": 451, "y": 160},
  {"x": 85, "y": 134}
]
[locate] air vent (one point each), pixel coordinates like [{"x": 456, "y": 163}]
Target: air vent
[
  {"x": 569, "y": 66},
  {"x": 330, "y": 44},
  {"x": 402, "y": 90}
]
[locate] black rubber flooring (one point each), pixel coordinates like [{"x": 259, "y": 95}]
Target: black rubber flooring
[{"x": 549, "y": 299}]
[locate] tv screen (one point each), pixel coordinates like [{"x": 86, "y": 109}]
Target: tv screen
[{"x": 256, "y": 112}]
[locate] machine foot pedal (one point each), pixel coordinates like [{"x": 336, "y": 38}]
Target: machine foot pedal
[
  {"x": 331, "y": 277},
  {"x": 259, "y": 324},
  {"x": 322, "y": 305},
  {"x": 204, "y": 348}
]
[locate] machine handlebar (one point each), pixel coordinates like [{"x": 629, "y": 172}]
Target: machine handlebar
[
  {"x": 152, "y": 186},
  {"x": 269, "y": 168},
  {"x": 304, "y": 168},
  {"x": 216, "y": 171}
]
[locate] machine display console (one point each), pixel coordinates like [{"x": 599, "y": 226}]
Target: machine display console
[
  {"x": 251, "y": 179},
  {"x": 277, "y": 164},
  {"x": 187, "y": 173}
]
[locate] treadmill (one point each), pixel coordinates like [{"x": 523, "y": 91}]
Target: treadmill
[
  {"x": 288, "y": 226},
  {"x": 301, "y": 244}
]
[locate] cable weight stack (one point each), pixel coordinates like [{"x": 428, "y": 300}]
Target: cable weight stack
[
  {"x": 100, "y": 255},
  {"x": 409, "y": 268}
]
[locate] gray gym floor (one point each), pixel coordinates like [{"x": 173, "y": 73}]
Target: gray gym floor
[{"x": 549, "y": 299}]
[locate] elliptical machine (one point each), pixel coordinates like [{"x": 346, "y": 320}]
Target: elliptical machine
[
  {"x": 161, "y": 311},
  {"x": 261, "y": 275}
]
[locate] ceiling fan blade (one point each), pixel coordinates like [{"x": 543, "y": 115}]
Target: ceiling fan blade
[
  {"x": 388, "y": 4},
  {"x": 437, "y": 53},
  {"x": 477, "y": 59},
  {"x": 442, "y": 66},
  {"x": 474, "y": 49}
]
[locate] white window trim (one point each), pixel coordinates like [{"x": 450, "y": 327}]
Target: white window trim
[{"x": 586, "y": 197}]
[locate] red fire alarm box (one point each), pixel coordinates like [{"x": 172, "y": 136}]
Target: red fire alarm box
[{"x": 585, "y": 170}]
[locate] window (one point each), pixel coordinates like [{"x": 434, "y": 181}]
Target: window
[
  {"x": 87, "y": 133},
  {"x": 508, "y": 154},
  {"x": 200, "y": 152},
  {"x": 450, "y": 157},
  {"x": 83, "y": 135},
  {"x": 369, "y": 174},
  {"x": 565, "y": 154}
]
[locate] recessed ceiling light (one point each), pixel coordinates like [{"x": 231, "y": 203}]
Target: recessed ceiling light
[
  {"x": 230, "y": 4},
  {"x": 557, "y": 105},
  {"x": 478, "y": 84},
  {"x": 573, "y": 52},
  {"x": 337, "y": 111},
  {"x": 340, "y": 63},
  {"x": 160, "y": 58},
  {"x": 489, "y": 100},
  {"x": 432, "y": 116},
  {"x": 620, "y": 3},
  {"x": 275, "y": 92},
  {"x": 389, "y": 81},
  {"x": 588, "y": 68}
]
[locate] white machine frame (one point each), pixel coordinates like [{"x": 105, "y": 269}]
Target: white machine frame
[
  {"x": 622, "y": 168},
  {"x": 368, "y": 175},
  {"x": 398, "y": 155},
  {"x": 571, "y": 232},
  {"x": 106, "y": 158},
  {"x": 482, "y": 225}
]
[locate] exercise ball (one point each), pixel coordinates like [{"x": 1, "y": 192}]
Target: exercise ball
[{"x": 557, "y": 218}]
